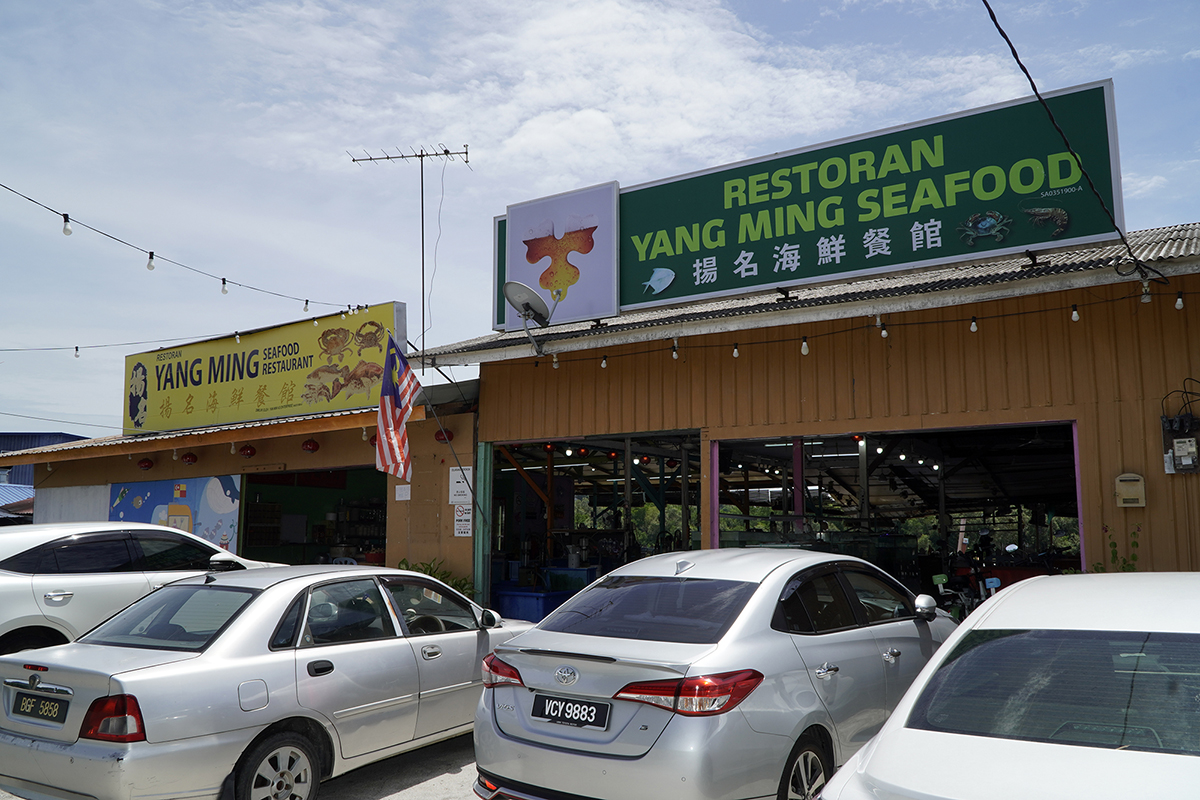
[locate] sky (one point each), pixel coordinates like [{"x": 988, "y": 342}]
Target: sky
[{"x": 217, "y": 134}]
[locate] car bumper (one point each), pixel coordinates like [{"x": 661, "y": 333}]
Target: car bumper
[
  {"x": 695, "y": 758},
  {"x": 87, "y": 770}
]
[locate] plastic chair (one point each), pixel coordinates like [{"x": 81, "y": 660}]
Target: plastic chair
[{"x": 344, "y": 560}]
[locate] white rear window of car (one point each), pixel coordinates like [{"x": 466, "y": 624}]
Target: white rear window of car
[{"x": 1118, "y": 690}]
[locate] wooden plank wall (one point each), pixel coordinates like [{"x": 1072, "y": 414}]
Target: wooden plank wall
[{"x": 1028, "y": 363}]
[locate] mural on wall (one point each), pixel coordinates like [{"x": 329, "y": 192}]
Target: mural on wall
[{"x": 207, "y": 507}]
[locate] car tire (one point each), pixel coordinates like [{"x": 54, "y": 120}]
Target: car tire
[
  {"x": 281, "y": 767},
  {"x": 808, "y": 768},
  {"x": 29, "y": 640}
]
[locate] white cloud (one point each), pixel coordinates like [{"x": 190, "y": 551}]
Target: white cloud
[{"x": 1134, "y": 185}]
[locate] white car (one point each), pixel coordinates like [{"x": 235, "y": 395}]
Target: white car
[
  {"x": 708, "y": 675},
  {"x": 1059, "y": 686},
  {"x": 61, "y": 579},
  {"x": 247, "y": 685}
]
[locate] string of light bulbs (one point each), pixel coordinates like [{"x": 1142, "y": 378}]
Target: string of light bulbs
[
  {"x": 879, "y": 323},
  {"x": 154, "y": 259}
]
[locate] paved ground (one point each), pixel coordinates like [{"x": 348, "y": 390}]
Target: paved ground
[{"x": 442, "y": 771}]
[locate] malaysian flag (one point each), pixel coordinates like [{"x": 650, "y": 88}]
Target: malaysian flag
[{"x": 400, "y": 388}]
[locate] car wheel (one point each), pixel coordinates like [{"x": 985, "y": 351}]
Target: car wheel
[
  {"x": 808, "y": 768},
  {"x": 281, "y": 767},
  {"x": 29, "y": 640}
]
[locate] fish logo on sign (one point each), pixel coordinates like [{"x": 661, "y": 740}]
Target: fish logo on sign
[{"x": 566, "y": 675}]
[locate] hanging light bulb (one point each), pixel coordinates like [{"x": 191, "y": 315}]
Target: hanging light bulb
[
  {"x": 568, "y": 452},
  {"x": 555, "y": 357},
  {"x": 604, "y": 362},
  {"x": 344, "y": 313},
  {"x": 77, "y": 351},
  {"x": 936, "y": 467},
  {"x": 315, "y": 323},
  {"x": 66, "y": 225},
  {"x": 879, "y": 450},
  {"x": 735, "y": 351},
  {"x": 1179, "y": 301},
  {"x": 224, "y": 288},
  {"x": 675, "y": 349},
  {"x": 974, "y": 325},
  {"x": 305, "y": 306},
  {"x": 1145, "y": 291},
  {"x": 804, "y": 346},
  {"x": 1074, "y": 313},
  {"x": 150, "y": 262},
  {"x": 883, "y": 330},
  {"x": 232, "y": 448},
  {"x": 903, "y": 457},
  {"x": 237, "y": 337}
]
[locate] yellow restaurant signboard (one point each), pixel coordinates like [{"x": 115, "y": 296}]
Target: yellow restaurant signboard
[{"x": 310, "y": 367}]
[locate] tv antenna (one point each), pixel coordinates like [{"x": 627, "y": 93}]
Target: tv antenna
[
  {"x": 441, "y": 152},
  {"x": 529, "y": 305}
]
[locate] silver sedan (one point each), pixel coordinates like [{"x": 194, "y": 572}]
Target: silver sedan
[
  {"x": 252, "y": 685},
  {"x": 714, "y": 675}
]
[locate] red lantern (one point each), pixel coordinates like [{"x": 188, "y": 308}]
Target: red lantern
[
  {"x": 310, "y": 446},
  {"x": 443, "y": 436},
  {"x": 374, "y": 440},
  {"x": 189, "y": 458},
  {"x": 247, "y": 451},
  {"x": 549, "y": 448},
  {"x": 145, "y": 464}
]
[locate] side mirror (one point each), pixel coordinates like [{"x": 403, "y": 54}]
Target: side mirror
[
  {"x": 223, "y": 562},
  {"x": 489, "y": 619},
  {"x": 926, "y": 607}
]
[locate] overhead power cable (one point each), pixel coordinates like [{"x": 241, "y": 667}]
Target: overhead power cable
[{"x": 1140, "y": 268}]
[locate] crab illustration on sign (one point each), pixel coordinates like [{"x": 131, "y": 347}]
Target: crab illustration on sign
[
  {"x": 561, "y": 274},
  {"x": 989, "y": 223},
  {"x": 334, "y": 342}
]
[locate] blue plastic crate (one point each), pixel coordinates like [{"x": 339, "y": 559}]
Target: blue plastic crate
[{"x": 528, "y": 605}]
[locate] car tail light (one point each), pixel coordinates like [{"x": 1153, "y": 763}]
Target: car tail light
[
  {"x": 497, "y": 673},
  {"x": 695, "y": 697},
  {"x": 116, "y": 718}
]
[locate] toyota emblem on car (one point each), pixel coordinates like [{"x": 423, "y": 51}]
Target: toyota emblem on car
[{"x": 566, "y": 675}]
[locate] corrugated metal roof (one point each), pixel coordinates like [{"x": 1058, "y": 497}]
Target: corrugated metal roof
[
  {"x": 14, "y": 493},
  {"x": 1173, "y": 249}
]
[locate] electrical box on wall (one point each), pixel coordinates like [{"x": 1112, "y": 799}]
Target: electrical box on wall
[
  {"x": 1180, "y": 434},
  {"x": 1131, "y": 490}
]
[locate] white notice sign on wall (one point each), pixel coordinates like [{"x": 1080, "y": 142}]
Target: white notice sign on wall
[
  {"x": 460, "y": 485},
  {"x": 462, "y": 520}
]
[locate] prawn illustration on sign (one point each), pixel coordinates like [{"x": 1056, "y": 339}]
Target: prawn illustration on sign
[{"x": 565, "y": 248}]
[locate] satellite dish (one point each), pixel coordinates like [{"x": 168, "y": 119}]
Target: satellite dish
[{"x": 529, "y": 305}]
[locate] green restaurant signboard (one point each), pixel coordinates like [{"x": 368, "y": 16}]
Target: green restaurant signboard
[{"x": 981, "y": 184}]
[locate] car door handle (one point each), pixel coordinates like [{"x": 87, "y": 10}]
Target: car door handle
[
  {"x": 826, "y": 670},
  {"x": 58, "y": 595},
  {"x": 430, "y": 652},
  {"x": 891, "y": 655},
  {"x": 317, "y": 668}
]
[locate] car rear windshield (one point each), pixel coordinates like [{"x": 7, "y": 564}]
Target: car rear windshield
[
  {"x": 660, "y": 609},
  {"x": 1134, "y": 691},
  {"x": 173, "y": 618}
]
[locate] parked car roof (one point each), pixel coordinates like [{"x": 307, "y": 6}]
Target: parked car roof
[
  {"x": 744, "y": 564},
  {"x": 1127, "y": 601},
  {"x": 271, "y": 576}
]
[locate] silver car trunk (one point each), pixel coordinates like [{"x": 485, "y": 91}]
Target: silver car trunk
[
  {"x": 596, "y": 668},
  {"x": 63, "y": 681}
]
